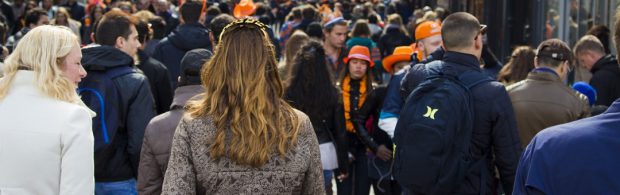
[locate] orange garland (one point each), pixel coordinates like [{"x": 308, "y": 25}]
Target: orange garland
[{"x": 346, "y": 89}]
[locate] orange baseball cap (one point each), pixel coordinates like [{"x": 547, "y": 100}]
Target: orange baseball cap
[
  {"x": 244, "y": 8},
  {"x": 427, "y": 29},
  {"x": 400, "y": 54},
  {"x": 359, "y": 52}
]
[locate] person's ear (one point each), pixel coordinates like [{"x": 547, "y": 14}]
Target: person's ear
[
  {"x": 212, "y": 38},
  {"x": 478, "y": 42},
  {"x": 120, "y": 42},
  {"x": 92, "y": 37}
]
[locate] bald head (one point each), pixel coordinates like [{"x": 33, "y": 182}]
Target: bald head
[{"x": 459, "y": 30}]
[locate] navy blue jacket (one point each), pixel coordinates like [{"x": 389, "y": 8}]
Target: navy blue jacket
[
  {"x": 495, "y": 128},
  {"x": 580, "y": 157},
  {"x": 394, "y": 100},
  {"x": 171, "y": 49}
]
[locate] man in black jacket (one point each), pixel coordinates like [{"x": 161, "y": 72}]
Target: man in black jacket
[
  {"x": 191, "y": 34},
  {"x": 604, "y": 67},
  {"x": 495, "y": 135},
  {"x": 155, "y": 71},
  {"x": 116, "y": 163}
]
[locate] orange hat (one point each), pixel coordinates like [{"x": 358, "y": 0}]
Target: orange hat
[
  {"x": 359, "y": 52},
  {"x": 244, "y": 8},
  {"x": 427, "y": 29},
  {"x": 400, "y": 54}
]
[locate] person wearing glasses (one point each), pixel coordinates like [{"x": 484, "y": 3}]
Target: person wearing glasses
[
  {"x": 242, "y": 137},
  {"x": 543, "y": 99},
  {"x": 494, "y": 141}
]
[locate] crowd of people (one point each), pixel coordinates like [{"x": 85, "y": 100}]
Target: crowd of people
[{"x": 291, "y": 97}]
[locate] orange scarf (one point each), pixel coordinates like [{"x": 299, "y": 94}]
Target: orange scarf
[{"x": 346, "y": 94}]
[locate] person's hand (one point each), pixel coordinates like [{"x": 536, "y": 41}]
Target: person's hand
[
  {"x": 383, "y": 153},
  {"x": 342, "y": 177}
]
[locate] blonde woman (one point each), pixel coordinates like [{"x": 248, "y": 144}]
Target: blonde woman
[
  {"x": 46, "y": 142},
  {"x": 242, "y": 138},
  {"x": 63, "y": 18}
]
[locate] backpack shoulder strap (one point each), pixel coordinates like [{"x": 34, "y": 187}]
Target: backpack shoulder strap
[{"x": 472, "y": 78}]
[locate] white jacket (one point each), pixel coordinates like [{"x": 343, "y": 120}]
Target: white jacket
[{"x": 46, "y": 145}]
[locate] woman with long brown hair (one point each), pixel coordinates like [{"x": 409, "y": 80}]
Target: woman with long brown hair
[
  {"x": 240, "y": 137},
  {"x": 520, "y": 64}
]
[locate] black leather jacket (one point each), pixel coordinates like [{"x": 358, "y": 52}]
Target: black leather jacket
[{"x": 371, "y": 107}]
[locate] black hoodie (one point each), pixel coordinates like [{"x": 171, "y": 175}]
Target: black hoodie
[
  {"x": 171, "y": 49},
  {"x": 119, "y": 160},
  {"x": 606, "y": 80}
]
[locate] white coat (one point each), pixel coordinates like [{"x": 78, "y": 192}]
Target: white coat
[{"x": 46, "y": 145}]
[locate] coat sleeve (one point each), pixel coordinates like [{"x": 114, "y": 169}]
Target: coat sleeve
[
  {"x": 141, "y": 110},
  {"x": 527, "y": 179},
  {"x": 338, "y": 131},
  {"x": 77, "y": 164},
  {"x": 313, "y": 179},
  {"x": 506, "y": 142},
  {"x": 150, "y": 176},
  {"x": 180, "y": 177}
]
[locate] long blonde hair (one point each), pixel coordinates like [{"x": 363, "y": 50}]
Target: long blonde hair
[
  {"x": 43, "y": 50},
  {"x": 243, "y": 97}
]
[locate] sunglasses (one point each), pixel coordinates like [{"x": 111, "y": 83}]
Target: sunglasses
[{"x": 483, "y": 31}]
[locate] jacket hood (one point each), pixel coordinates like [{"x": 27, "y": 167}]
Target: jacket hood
[
  {"x": 608, "y": 62},
  {"x": 190, "y": 36},
  {"x": 100, "y": 57}
]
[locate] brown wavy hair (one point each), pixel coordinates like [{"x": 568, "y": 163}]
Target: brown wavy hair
[
  {"x": 243, "y": 96},
  {"x": 520, "y": 64}
]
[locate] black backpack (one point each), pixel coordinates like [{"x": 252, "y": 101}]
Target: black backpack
[
  {"x": 102, "y": 95},
  {"x": 433, "y": 134}
]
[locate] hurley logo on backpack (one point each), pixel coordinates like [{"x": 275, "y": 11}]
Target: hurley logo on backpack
[
  {"x": 100, "y": 94},
  {"x": 433, "y": 134}
]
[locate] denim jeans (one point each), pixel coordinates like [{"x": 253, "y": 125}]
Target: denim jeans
[
  {"x": 127, "y": 187},
  {"x": 327, "y": 176}
]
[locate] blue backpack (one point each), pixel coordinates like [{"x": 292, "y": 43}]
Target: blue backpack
[
  {"x": 101, "y": 94},
  {"x": 433, "y": 134}
]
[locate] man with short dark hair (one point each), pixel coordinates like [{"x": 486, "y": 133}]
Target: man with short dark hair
[
  {"x": 217, "y": 26},
  {"x": 35, "y": 17},
  {"x": 159, "y": 132},
  {"x": 116, "y": 161},
  {"x": 494, "y": 141},
  {"x": 542, "y": 99},
  {"x": 335, "y": 33},
  {"x": 604, "y": 68},
  {"x": 155, "y": 71},
  {"x": 191, "y": 34}
]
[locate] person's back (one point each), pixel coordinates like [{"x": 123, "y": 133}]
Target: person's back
[
  {"x": 46, "y": 139},
  {"x": 158, "y": 134},
  {"x": 190, "y": 35},
  {"x": 280, "y": 175},
  {"x": 494, "y": 127},
  {"x": 242, "y": 138},
  {"x": 573, "y": 158},
  {"x": 542, "y": 99},
  {"x": 116, "y": 161}
]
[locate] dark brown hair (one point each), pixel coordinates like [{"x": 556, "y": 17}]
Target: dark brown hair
[
  {"x": 114, "y": 24},
  {"x": 520, "y": 64}
]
